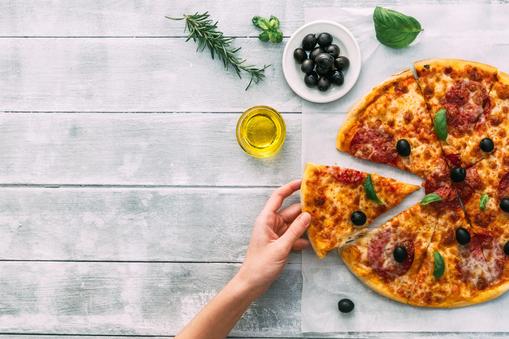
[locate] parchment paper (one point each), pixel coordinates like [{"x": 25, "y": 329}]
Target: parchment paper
[{"x": 478, "y": 33}]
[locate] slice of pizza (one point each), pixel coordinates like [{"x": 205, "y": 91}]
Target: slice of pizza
[
  {"x": 388, "y": 258},
  {"x": 497, "y": 136},
  {"x": 392, "y": 126},
  {"x": 342, "y": 202},
  {"x": 455, "y": 271},
  {"x": 457, "y": 96}
]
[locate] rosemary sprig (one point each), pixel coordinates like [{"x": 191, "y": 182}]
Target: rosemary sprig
[{"x": 204, "y": 32}]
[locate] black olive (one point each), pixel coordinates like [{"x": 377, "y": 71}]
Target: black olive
[
  {"x": 309, "y": 42},
  {"x": 342, "y": 63},
  {"x": 336, "y": 77},
  {"x": 399, "y": 254},
  {"x": 333, "y": 50},
  {"x": 324, "y": 60},
  {"x": 314, "y": 53},
  {"x": 300, "y": 55},
  {"x": 322, "y": 71},
  {"x": 311, "y": 79},
  {"x": 462, "y": 236},
  {"x": 345, "y": 306},
  {"x": 358, "y": 218},
  {"x": 458, "y": 174},
  {"x": 504, "y": 204},
  {"x": 403, "y": 147},
  {"x": 307, "y": 66},
  {"x": 323, "y": 84},
  {"x": 324, "y": 39},
  {"x": 487, "y": 145},
  {"x": 506, "y": 248}
]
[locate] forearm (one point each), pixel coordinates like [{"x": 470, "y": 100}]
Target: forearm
[{"x": 218, "y": 317}]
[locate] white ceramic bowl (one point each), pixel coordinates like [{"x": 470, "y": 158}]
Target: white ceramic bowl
[{"x": 348, "y": 47}]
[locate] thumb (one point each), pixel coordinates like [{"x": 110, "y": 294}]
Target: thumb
[{"x": 296, "y": 229}]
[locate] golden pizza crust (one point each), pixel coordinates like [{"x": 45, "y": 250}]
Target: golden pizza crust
[{"x": 456, "y": 63}]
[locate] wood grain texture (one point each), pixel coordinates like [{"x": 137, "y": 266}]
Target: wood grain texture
[
  {"x": 133, "y": 75},
  {"x": 138, "y": 149},
  {"x": 137, "y": 17},
  {"x": 166, "y": 224},
  {"x": 148, "y": 299}
]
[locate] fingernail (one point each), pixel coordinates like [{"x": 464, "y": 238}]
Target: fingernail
[{"x": 305, "y": 217}]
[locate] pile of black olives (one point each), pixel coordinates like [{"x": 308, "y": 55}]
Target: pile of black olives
[{"x": 322, "y": 64}]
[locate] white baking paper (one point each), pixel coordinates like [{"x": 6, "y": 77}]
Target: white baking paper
[{"x": 478, "y": 33}]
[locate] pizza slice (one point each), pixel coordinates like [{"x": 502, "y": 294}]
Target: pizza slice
[
  {"x": 497, "y": 137},
  {"x": 392, "y": 126},
  {"x": 388, "y": 258},
  {"x": 457, "y": 96},
  {"x": 342, "y": 202},
  {"x": 455, "y": 271}
]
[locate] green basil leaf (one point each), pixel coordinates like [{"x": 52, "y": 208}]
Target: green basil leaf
[
  {"x": 273, "y": 22},
  {"x": 275, "y": 36},
  {"x": 483, "y": 201},
  {"x": 429, "y": 198},
  {"x": 439, "y": 268},
  {"x": 264, "y": 36},
  {"x": 369, "y": 188},
  {"x": 395, "y": 29},
  {"x": 440, "y": 124},
  {"x": 260, "y": 22}
]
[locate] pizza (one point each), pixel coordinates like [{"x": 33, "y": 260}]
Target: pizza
[
  {"x": 447, "y": 123},
  {"x": 389, "y": 258},
  {"x": 460, "y": 91},
  {"x": 343, "y": 202},
  {"x": 391, "y": 125}
]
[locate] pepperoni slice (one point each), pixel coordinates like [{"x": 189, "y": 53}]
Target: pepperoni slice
[
  {"x": 347, "y": 176},
  {"x": 473, "y": 265},
  {"x": 503, "y": 187},
  {"x": 381, "y": 258},
  {"x": 466, "y": 103},
  {"x": 374, "y": 144}
]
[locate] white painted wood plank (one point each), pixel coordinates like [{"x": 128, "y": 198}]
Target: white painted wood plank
[
  {"x": 137, "y": 17},
  {"x": 134, "y": 75},
  {"x": 166, "y": 224},
  {"x": 144, "y": 299},
  {"x": 138, "y": 149}
]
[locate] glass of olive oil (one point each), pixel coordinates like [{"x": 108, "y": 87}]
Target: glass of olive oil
[{"x": 261, "y": 131}]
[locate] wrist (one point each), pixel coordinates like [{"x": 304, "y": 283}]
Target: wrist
[{"x": 247, "y": 285}]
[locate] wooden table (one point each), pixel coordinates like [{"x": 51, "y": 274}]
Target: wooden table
[{"x": 126, "y": 202}]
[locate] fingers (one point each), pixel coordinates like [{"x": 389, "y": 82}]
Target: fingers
[
  {"x": 296, "y": 229},
  {"x": 279, "y": 195},
  {"x": 290, "y": 213},
  {"x": 300, "y": 244}
]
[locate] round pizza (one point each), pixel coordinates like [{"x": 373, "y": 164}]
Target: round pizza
[{"x": 447, "y": 122}]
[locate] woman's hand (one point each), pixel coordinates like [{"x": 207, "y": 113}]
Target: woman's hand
[{"x": 276, "y": 232}]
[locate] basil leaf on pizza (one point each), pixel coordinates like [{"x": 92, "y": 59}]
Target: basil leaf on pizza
[
  {"x": 369, "y": 188},
  {"x": 484, "y": 201},
  {"x": 429, "y": 198},
  {"x": 440, "y": 124},
  {"x": 439, "y": 265}
]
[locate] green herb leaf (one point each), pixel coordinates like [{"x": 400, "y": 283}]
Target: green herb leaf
[
  {"x": 429, "y": 198},
  {"x": 204, "y": 32},
  {"x": 439, "y": 268},
  {"x": 264, "y": 36},
  {"x": 395, "y": 29},
  {"x": 440, "y": 124},
  {"x": 275, "y": 36},
  {"x": 484, "y": 201},
  {"x": 369, "y": 188},
  {"x": 260, "y": 22},
  {"x": 274, "y": 22}
]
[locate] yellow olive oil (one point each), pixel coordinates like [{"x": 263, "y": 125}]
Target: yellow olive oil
[{"x": 261, "y": 131}]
